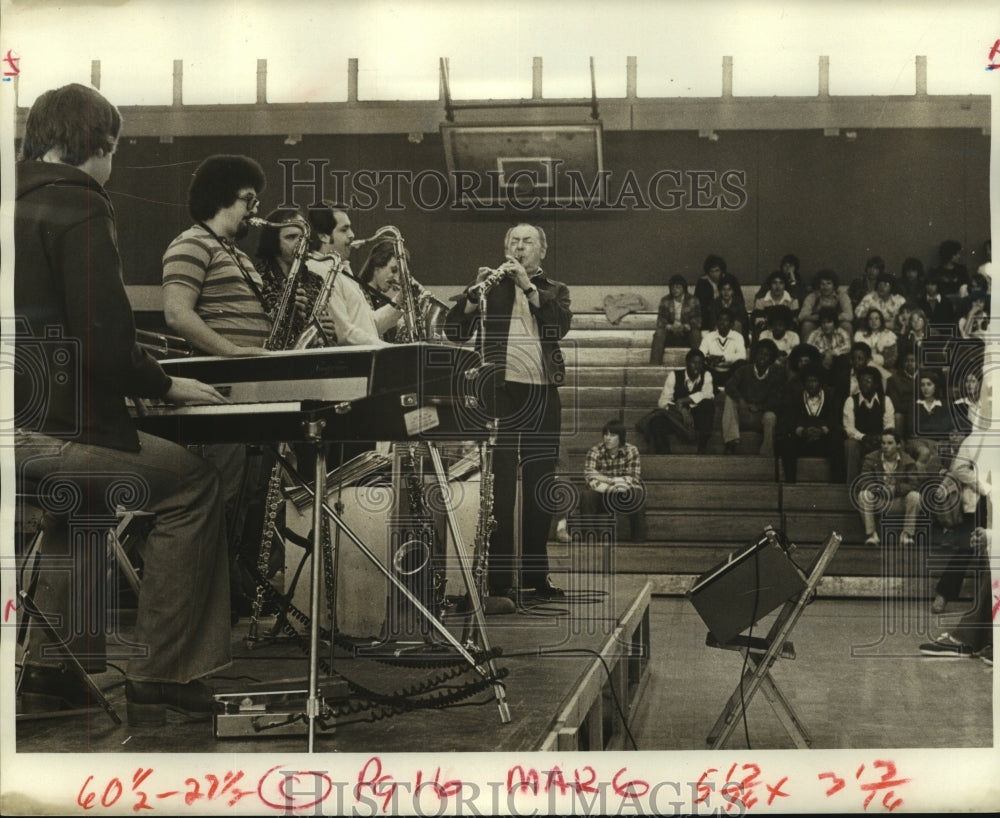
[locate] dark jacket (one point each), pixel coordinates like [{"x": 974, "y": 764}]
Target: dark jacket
[
  {"x": 941, "y": 312},
  {"x": 764, "y": 393},
  {"x": 793, "y": 413},
  {"x": 905, "y": 479},
  {"x": 552, "y": 316},
  {"x": 76, "y": 356}
]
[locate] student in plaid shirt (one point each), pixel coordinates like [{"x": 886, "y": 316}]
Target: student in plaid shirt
[{"x": 614, "y": 481}]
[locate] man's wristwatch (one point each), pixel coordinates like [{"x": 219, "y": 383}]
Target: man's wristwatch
[{"x": 529, "y": 291}]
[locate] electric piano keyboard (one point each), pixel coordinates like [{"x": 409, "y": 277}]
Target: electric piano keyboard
[{"x": 358, "y": 393}]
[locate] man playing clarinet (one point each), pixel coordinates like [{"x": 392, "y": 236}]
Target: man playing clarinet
[{"x": 527, "y": 313}]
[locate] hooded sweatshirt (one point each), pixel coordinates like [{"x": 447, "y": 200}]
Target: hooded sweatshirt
[{"x": 76, "y": 357}]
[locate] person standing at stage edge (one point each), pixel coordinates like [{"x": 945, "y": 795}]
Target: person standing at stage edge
[{"x": 527, "y": 314}]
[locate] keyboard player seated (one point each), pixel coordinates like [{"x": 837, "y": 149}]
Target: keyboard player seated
[{"x": 68, "y": 285}]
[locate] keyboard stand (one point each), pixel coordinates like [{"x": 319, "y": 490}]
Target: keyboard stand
[
  {"x": 762, "y": 652},
  {"x": 486, "y": 669}
]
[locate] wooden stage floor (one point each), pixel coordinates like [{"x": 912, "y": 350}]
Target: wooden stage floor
[{"x": 575, "y": 672}]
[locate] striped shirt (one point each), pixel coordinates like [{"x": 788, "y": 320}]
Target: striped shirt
[{"x": 226, "y": 302}]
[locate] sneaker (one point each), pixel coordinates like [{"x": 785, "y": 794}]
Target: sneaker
[
  {"x": 947, "y": 647},
  {"x": 872, "y": 539},
  {"x": 986, "y": 654},
  {"x": 939, "y": 604}
]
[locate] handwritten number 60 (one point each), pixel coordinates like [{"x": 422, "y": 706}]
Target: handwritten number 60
[{"x": 111, "y": 794}]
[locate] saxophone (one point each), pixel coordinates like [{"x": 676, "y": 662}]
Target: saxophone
[
  {"x": 486, "y": 523},
  {"x": 314, "y": 329},
  {"x": 280, "y": 336},
  {"x": 423, "y": 314}
]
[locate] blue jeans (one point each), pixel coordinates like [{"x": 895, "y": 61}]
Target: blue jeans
[{"x": 182, "y": 629}]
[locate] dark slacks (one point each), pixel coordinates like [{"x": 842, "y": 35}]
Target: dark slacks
[
  {"x": 527, "y": 444},
  {"x": 182, "y": 620}
]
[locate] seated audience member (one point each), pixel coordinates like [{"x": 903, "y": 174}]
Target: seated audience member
[
  {"x": 867, "y": 413},
  {"x": 730, "y": 298},
  {"x": 752, "y": 395},
  {"x": 889, "y": 483},
  {"x": 779, "y": 329},
  {"x": 971, "y": 473},
  {"x": 809, "y": 425},
  {"x": 846, "y": 382},
  {"x": 975, "y": 319},
  {"x": 932, "y": 423},
  {"x": 826, "y": 294},
  {"x": 974, "y": 634},
  {"x": 799, "y": 359},
  {"x": 903, "y": 320},
  {"x": 913, "y": 335},
  {"x": 775, "y": 295},
  {"x": 862, "y": 285},
  {"x": 706, "y": 288},
  {"x": 936, "y": 306},
  {"x": 967, "y": 412},
  {"x": 833, "y": 342},
  {"x": 880, "y": 339},
  {"x": 795, "y": 284},
  {"x": 900, "y": 388},
  {"x": 882, "y": 299},
  {"x": 678, "y": 321},
  {"x": 614, "y": 481},
  {"x": 723, "y": 349},
  {"x": 910, "y": 283},
  {"x": 686, "y": 406},
  {"x": 950, "y": 272}
]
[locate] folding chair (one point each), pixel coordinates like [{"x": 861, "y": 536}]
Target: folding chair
[{"x": 762, "y": 652}]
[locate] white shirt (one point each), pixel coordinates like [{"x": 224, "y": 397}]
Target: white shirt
[
  {"x": 731, "y": 348},
  {"x": 888, "y": 414},
  {"x": 524, "y": 348},
  {"x": 353, "y": 319},
  {"x": 667, "y": 395}
]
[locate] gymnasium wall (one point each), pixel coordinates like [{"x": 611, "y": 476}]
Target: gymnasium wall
[{"x": 672, "y": 197}]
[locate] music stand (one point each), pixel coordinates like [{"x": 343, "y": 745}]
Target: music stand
[{"x": 762, "y": 652}]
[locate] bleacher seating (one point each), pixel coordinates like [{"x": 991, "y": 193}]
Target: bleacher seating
[{"x": 699, "y": 508}]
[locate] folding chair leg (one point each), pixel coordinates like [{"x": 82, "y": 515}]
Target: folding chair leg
[
  {"x": 783, "y": 710},
  {"x": 31, "y": 610}
]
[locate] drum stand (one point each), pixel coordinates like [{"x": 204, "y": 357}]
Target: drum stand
[{"x": 485, "y": 668}]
